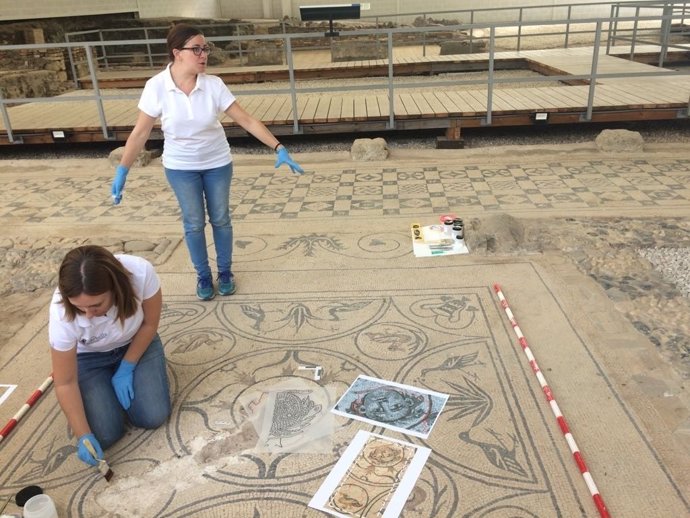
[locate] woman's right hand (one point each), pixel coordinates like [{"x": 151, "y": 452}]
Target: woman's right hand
[
  {"x": 89, "y": 449},
  {"x": 119, "y": 183}
]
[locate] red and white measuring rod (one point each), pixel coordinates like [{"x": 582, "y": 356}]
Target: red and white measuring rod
[
  {"x": 25, "y": 408},
  {"x": 579, "y": 460}
]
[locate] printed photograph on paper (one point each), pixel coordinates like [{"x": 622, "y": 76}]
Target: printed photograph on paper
[
  {"x": 373, "y": 478},
  {"x": 405, "y": 409}
]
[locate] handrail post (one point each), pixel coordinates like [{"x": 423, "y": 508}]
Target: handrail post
[
  {"x": 293, "y": 90},
  {"x": 634, "y": 35},
  {"x": 6, "y": 119},
  {"x": 610, "y": 38},
  {"x": 148, "y": 47},
  {"x": 519, "y": 34},
  {"x": 490, "y": 79},
  {"x": 391, "y": 99},
  {"x": 567, "y": 27},
  {"x": 97, "y": 92},
  {"x": 471, "y": 31},
  {"x": 71, "y": 63},
  {"x": 593, "y": 72},
  {"x": 666, "y": 23},
  {"x": 105, "y": 52}
]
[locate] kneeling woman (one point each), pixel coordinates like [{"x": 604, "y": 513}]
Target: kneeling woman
[{"x": 108, "y": 361}]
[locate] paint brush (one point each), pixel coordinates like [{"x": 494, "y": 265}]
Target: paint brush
[{"x": 102, "y": 464}]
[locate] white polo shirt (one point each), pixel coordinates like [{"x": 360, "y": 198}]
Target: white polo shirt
[
  {"x": 194, "y": 137},
  {"x": 104, "y": 333}
]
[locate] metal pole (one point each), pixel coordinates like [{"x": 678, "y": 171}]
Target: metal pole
[
  {"x": 567, "y": 27},
  {"x": 490, "y": 85},
  {"x": 471, "y": 31},
  {"x": 97, "y": 92},
  {"x": 148, "y": 47},
  {"x": 610, "y": 35},
  {"x": 634, "y": 35},
  {"x": 293, "y": 92},
  {"x": 593, "y": 72},
  {"x": 665, "y": 32},
  {"x": 71, "y": 63},
  {"x": 519, "y": 34},
  {"x": 105, "y": 52},
  {"x": 6, "y": 119},
  {"x": 391, "y": 100}
]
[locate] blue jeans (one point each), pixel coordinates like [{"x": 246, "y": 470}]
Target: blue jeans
[
  {"x": 150, "y": 407},
  {"x": 194, "y": 189}
]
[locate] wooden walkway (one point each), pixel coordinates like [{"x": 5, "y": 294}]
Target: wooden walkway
[{"x": 616, "y": 99}]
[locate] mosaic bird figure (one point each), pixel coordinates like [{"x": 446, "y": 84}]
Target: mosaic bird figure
[
  {"x": 498, "y": 454},
  {"x": 42, "y": 468},
  {"x": 394, "y": 341}
]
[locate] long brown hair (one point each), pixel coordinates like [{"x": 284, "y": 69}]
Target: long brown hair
[
  {"x": 93, "y": 270},
  {"x": 178, "y": 36}
]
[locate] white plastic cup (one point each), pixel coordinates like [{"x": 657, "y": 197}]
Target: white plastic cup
[{"x": 40, "y": 506}]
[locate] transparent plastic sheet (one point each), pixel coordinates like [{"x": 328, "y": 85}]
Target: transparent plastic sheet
[{"x": 292, "y": 416}]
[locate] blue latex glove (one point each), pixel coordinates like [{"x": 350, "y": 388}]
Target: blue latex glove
[
  {"x": 119, "y": 183},
  {"x": 123, "y": 383},
  {"x": 83, "y": 452},
  {"x": 285, "y": 158}
]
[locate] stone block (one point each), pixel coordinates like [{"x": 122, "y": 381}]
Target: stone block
[
  {"x": 264, "y": 54},
  {"x": 461, "y": 47},
  {"x": 619, "y": 141},
  {"x": 143, "y": 158},
  {"x": 33, "y": 36},
  {"x": 356, "y": 50},
  {"x": 54, "y": 64},
  {"x": 367, "y": 149}
]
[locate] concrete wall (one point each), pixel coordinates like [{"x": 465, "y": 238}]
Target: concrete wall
[
  {"x": 178, "y": 8},
  {"x": 281, "y": 8},
  {"x": 13, "y": 10}
]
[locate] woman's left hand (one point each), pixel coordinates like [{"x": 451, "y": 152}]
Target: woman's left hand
[
  {"x": 285, "y": 158},
  {"x": 123, "y": 383}
]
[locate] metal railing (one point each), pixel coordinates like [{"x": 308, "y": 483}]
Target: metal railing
[
  {"x": 573, "y": 13},
  {"x": 153, "y": 54},
  {"x": 601, "y": 33}
]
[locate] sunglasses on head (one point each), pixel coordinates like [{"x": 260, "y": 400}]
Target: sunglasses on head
[{"x": 197, "y": 50}]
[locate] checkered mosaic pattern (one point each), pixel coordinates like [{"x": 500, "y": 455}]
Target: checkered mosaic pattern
[{"x": 368, "y": 191}]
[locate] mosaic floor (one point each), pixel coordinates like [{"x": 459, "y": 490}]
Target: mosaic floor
[
  {"x": 371, "y": 191},
  {"x": 356, "y": 301}
]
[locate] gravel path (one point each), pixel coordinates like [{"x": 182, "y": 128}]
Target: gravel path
[{"x": 652, "y": 132}]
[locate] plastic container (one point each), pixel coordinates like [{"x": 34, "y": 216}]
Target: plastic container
[{"x": 40, "y": 506}]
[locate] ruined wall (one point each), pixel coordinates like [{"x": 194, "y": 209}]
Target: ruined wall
[
  {"x": 11, "y": 10},
  {"x": 37, "y": 72}
]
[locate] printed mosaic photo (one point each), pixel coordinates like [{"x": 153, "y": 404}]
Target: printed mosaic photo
[{"x": 402, "y": 408}]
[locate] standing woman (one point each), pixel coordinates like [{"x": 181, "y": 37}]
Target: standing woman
[
  {"x": 108, "y": 360},
  {"x": 196, "y": 154}
]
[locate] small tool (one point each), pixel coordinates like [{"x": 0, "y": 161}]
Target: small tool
[
  {"x": 102, "y": 464},
  {"x": 316, "y": 368}
]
